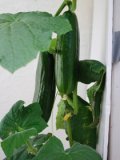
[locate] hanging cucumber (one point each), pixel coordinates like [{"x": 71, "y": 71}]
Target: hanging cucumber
[
  {"x": 45, "y": 84},
  {"x": 67, "y": 56}
]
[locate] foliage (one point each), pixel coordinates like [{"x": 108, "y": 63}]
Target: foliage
[
  {"x": 84, "y": 123},
  {"x": 20, "y": 118},
  {"x": 22, "y": 36},
  {"x": 17, "y": 139},
  {"x": 52, "y": 149}
]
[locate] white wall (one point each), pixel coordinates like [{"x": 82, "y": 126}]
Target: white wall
[
  {"x": 102, "y": 50},
  {"x": 21, "y": 84},
  {"x": 114, "y": 145}
]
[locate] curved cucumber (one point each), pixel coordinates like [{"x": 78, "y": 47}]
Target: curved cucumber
[
  {"x": 66, "y": 59},
  {"x": 45, "y": 84}
]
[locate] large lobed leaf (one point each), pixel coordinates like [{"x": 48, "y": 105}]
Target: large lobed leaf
[
  {"x": 90, "y": 71},
  {"x": 22, "y": 153},
  {"x": 20, "y": 117},
  {"x": 13, "y": 142},
  {"x": 82, "y": 131},
  {"x": 22, "y": 35},
  {"x": 52, "y": 149},
  {"x": 83, "y": 152},
  {"x": 80, "y": 124}
]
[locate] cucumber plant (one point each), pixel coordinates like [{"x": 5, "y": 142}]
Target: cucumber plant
[{"x": 59, "y": 65}]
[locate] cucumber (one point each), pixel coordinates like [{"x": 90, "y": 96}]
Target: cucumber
[
  {"x": 45, "y": 84},
  {"x": 66, "y": 58}
]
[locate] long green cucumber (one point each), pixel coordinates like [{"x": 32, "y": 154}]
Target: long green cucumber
[
  {"x": 66, "y": 59},
  {"x": 45, "y": 84}
]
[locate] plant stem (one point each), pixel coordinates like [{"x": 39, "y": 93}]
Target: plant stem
[
  {"x": 74, "y": 4},
  {"x": 31, "y": 149},
  {"x": 75, "y": 101},
  {"x": 70, "y": 102},
  {"x": 65, "y": 2},
  {"x": 69, "y": 132},
  {"x": 61, "y": 8}
]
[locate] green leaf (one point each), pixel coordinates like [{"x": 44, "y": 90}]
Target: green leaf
[
  {"x": 80, "y": 124},
  {"x": 83, "y": 152},
  {"x": 95, "y": 94},
  {"x": 90, "y": 71},
  {"x": 52, "y": 150},
  {"x": 60, "y": 115},
  {"x": 40, "y": 139},
  {"x": 16, "y": 140},
  {"x": 22, "y": 35},
  {"x": 22, "y": 153},
  {"x": 20, "y": 117},
  {"x": 81, "y": 132}
]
